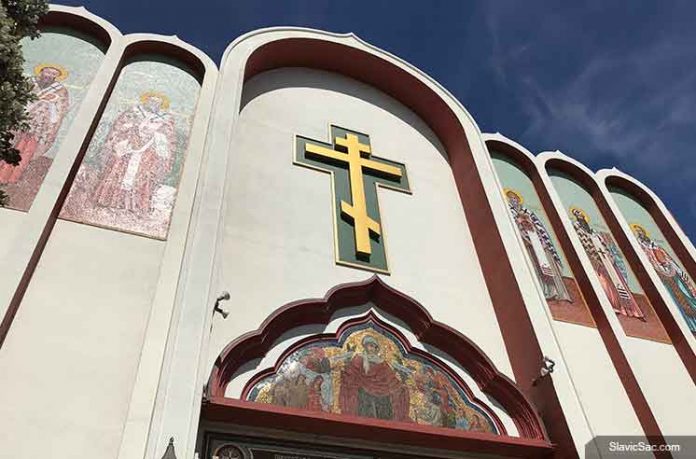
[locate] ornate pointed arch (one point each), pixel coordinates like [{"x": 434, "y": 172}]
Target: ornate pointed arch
[
  {"x": 443, "y": 398},
  {"x": 255, "y": 345}
]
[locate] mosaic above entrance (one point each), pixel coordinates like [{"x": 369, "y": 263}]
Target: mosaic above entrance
[
  {"x": 367, "y": 371},
  {"x": 356, "y": 174}
]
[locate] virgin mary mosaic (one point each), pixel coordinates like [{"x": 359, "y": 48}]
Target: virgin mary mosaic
[{"x": 366, "y": 371}]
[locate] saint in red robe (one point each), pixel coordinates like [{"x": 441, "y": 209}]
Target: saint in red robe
[
  {"x": 606, "y": 264},
  {"x": 371, "y": 388},
  {"x": 139, "y": 153},
  {"x": 46, "y": 115},
  {"x": 314, "y": 402}
]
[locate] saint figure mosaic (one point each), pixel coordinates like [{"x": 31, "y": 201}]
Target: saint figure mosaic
[
  {"x": 61, "y": 65},
  {"x": 129, "y": 177},
  {"x": 541, "y": 245},
  {"x": 675, "y": 279},
  {"x": 609, "y": 265},
  {"x": 617, "y": 279}
]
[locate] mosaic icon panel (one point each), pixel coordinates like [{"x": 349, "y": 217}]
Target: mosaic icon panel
[
  {"x": 61, "y": 65},
  {"x": 129, "y": 176},
  {"x": 367, "y": 371},
  {"x": 541, "y": 245},
  {"x": 627, "y": 298}
]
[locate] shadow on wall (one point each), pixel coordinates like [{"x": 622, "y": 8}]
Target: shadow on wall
[{"x": 278, "y": 79}]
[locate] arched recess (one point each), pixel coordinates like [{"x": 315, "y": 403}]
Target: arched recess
[
  {"x": 152, "y": 70},
  {"x": 667, "y": 320},
  {"x": 524, "y": 161},
  {"x": 536, "y": 168},
  {"x": 558, "y": 164},
  {"x": 615, "y": 181},
  {"x": 274, "y": 48},
  {"x": 374, "y": 293},
  {"x": 27, "y": 235},
  {"x": 62, "y": 64},
  {"x": 80, "y": 19}
]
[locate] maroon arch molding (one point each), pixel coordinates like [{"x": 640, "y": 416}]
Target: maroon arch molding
[
  {"x": 520, "y": 339},
  {"x": 74, "y": 21},
  {"x": 255, "y": 345},
  {"x": 371, "y": 317}
]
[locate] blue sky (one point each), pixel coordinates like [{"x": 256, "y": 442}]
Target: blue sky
[{"x": 608, "y": 83}]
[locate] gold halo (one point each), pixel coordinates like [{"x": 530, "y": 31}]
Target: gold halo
[
  {"x": 146, "y": 95},
  {"x": 636, "y": 226},
  {"x": 510, "y": 190},
  {"x": 582, "y": 212},
  {"x": 61, "y": 76}
]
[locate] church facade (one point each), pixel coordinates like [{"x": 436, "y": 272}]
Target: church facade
[{"x": 314, "y": 252}]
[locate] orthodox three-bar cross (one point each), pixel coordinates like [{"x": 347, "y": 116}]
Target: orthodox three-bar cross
[{"x": 356, "y": 174}]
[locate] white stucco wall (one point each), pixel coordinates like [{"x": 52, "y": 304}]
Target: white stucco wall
[
  {"x": 665, "y": 383},
  {"x": 69, "y": 360},
  {"x": 604, "y": 400},
  {"x": 278, "y": 231},
  {"x": 10, "y": 222}
]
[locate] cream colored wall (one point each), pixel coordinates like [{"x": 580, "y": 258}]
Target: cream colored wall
[
  {"x": 604, "y": 400},
  {"x": 69, "y": 360},
  {"x": 10, "y": 222},
  {"x": 278, "y": 246},
  {"x": 665, "y": 383}
]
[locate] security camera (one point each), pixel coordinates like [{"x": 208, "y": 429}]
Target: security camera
[
  {"x": 224, "y": 296},
  {"x": 547, "y": 367}
]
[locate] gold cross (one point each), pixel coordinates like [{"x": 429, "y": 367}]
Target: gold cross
[{"x": 357, "y": 156}]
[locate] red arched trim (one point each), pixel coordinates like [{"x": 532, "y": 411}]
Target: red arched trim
[
  {"x": 395, "y": 80},
  {"x": 255, "y": 345},
  {"x": 616, "y": 353},
  {"x": 528, "y": 166},
  {"x": 406, "y": 345},
  {"x": 642, "y": 196},
  {"x": 668, "y": 321},
  {"x": 152, "y": 49},
  {"x": 75, "y": 21}
]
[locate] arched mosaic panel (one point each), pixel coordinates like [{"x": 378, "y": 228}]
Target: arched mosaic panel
[
  {"x": 130, "y": 173},
  {"x": 627, "y": 298},
  {"x": 61, "y": 64},
  {"x": 664, "y": 261},
  {"x": 551, "y": 267},
  {"x": 367, "y": 369}
]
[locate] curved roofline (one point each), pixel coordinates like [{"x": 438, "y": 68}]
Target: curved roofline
[
  {"x": 427, "y": 330},
  {"x": 83, "y": 20},
  {"x": 266, "y": 49},
  {"x": 350, "y": 39},
  {"x": 190, "y": 54}
]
